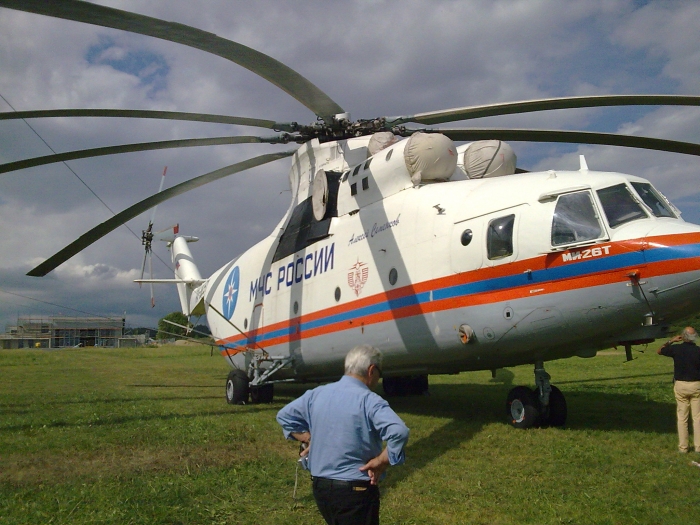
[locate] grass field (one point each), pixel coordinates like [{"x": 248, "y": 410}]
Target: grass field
[{"x": 145, "y": 436}]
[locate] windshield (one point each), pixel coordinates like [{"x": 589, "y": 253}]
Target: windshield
[
  {"x": 575, "y": 219},
  {"x": 652, "y": 199},
  {"x": 619, "y": 205}
]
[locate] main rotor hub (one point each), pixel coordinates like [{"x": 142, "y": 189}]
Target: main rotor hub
[{"x": 340, "y": 127}]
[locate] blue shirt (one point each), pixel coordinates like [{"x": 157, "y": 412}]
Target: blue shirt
[{"x": 348, "y": 423}]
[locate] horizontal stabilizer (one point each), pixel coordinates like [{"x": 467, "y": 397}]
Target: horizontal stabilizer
[{"x": 171, "y": 238}]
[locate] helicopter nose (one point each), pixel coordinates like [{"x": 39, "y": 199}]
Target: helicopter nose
[
  {"x": 674, "y": 242},
  {"x": 672, "y": 227},
  {"x": 672, "y": 254}
]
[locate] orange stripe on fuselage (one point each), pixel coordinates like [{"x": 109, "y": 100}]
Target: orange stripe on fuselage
[{"x": 544, "y": 262}]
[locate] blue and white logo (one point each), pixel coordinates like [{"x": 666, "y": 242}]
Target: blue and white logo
[{"x": 231, "y": 293}]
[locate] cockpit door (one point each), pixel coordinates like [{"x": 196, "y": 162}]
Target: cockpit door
[{"x": 576, "y": 221}]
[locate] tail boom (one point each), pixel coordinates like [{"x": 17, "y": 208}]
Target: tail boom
[{"x": 189, "y": 282}]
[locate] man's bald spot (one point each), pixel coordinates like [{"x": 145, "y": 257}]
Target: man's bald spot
[{"x": 689, "y": 334}]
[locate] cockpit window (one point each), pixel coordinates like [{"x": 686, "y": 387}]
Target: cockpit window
[
  {"x": 619, "y": 205},
  {"x": 499, "y": 237},
  {"x": 652, "y": 199},
  {"x": 575, "y": 219}
]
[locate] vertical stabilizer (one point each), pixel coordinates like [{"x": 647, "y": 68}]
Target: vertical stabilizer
[{"x": 185, "y": 270}]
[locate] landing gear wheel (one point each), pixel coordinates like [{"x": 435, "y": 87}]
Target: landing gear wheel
[
  {"x": 418, "y": 385},
  {"x": 262, "y": 393},
  {"x": 522, "y": 408},
  {"x": 556, "y": 415},
  {"x": 237, "y": 387},
  {"x": 392, "y": 386},
  {"x": 405, "y": 386}
]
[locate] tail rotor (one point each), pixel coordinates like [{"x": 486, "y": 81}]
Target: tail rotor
[{"x": 147, "y": 241}]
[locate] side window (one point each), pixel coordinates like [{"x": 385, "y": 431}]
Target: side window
[
  {"x": 499, "y": 237},
  {"x": 649, "y": 196},
  {"x": 575, "y": 219}
]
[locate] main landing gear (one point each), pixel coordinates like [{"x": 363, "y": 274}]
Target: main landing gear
[
  {"x": 238, "y": 389},
  {"x": 256, "y": 383},
  {"x": 544, "y": 406}
]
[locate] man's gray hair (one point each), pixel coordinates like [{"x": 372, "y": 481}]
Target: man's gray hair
[
  {"x": 689, "y": 334},
  {"x": 360, "y": 358}
]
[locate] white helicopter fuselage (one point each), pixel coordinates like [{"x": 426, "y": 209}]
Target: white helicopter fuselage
[
  {"x": 451, "y": 276},
  {"x": 440, "y": 256}
]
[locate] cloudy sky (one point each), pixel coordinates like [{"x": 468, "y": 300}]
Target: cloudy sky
[{"x": 373, "y": 58}]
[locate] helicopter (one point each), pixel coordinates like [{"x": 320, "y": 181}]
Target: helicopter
[{"x": 447, "y": 258}]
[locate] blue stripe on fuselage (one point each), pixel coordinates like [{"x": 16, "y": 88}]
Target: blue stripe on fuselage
[{"x": 558, "y": 273}]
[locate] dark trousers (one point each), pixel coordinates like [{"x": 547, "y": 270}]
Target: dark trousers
[{"x": 347, "y": 502}]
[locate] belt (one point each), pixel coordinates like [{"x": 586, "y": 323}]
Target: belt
[{"x": 326, "y": 483}]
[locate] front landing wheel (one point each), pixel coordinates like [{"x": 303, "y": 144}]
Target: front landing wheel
[
  {"x": 521, "y": 408},
  {"x": 237, "y": 387}
]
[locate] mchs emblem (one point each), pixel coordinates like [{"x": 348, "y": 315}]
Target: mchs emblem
[{"x": 357, "y": 276}]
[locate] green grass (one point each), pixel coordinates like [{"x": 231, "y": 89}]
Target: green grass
[{"x": 145, "y": 436}]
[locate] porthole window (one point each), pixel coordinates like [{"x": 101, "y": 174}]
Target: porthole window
[
  {"x": 393, "y": 276},
  {"x": 296, "y": 307},
  {"x": 466, "y": 237},
  {"x": 337, "y": 293},
  {"x": 388, "y": 155},
  {"x": 245, "y": 324}
]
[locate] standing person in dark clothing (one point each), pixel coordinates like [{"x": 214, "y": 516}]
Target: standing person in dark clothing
[
  {"x": 686, "y": 387},
  {"x": 344, "y": 424}
]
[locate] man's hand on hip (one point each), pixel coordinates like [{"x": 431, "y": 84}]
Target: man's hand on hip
[{"x": 375, "y": 467}]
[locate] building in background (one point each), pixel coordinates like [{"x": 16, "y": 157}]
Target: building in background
[{"x": 66, "y": 332}]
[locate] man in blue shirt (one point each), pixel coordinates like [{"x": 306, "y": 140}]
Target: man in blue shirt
[{"x": 344, "y": 425}]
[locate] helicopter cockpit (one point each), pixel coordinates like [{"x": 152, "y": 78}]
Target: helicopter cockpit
[{"x": 577, "y": 219}]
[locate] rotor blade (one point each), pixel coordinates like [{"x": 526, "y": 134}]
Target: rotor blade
[
  {"x": 130, "y": 148},
  {"x": 153, "y": 213},
  {"x": 143, "y": 266},
  {"x": 103, "y": 229},
  {"x": 544, "y": 104},
  {"x": 139, "y": 113},
  {"x": 263, "y": 65},
  {"x": 149, "y": 252},
  {"x": 573, "y": 137},
  {"x": 150, "y": 272}
]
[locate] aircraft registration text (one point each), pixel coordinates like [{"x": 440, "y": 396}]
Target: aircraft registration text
[{"x": 586, "y": 254}]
